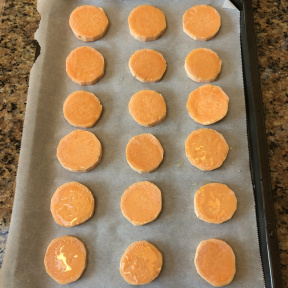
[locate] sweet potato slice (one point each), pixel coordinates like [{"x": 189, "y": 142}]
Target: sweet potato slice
[
  {"x": 144, "y": 153},
  {"x": 215, "y": 203},
  {"x": 82, "y": 109},
  {"x": 72, "y": 204},
  {"x": 215, "y": 262},
  {"x": 79, "y": 151},
  {"x": 207, "y": 104},
  {"x": 201, "y": 22},
  {"x": 141, "y": 203},
  {"x": 147, "y": 65},
  {"x": 203, "y": 65},
  {"x": 141, "y": 263},
  {"x": 65, "y": 259},
  {"x": 206, "y": 149},
  {"x": 85, "y": 65},
  {"x": 88, "y": 23},
  {"x": 147, "y": 107},
  {"x": 146, "y": 23}
]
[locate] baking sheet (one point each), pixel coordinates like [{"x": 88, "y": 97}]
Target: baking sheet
[{"x": 177, "y": 231}]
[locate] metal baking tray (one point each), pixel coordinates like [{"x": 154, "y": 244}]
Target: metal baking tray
[
  {"x": 257, "y": 142},
  {"x": 259, "y": 162}
]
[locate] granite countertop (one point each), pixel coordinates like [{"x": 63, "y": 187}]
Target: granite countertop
[{"x": 18, "y": 25}]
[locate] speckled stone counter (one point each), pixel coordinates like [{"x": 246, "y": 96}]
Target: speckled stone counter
[
  {"x": 17, "y": 52},
  {"x": 271, "y": 27},
  {"x": 19, "y": 21}
]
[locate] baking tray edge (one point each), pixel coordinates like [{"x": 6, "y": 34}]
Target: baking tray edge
[{"x": 259, "y": 162}]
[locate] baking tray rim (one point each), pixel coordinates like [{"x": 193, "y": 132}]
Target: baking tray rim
[{"x": 258, "y": 150}]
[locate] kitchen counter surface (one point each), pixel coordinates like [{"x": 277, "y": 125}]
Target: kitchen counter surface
[{"x": 17, "y": 49}]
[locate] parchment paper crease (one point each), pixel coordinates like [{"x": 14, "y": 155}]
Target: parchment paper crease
[{"x": 177, "y": 231}]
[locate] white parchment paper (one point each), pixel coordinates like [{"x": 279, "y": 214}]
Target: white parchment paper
[{"x": 177, "y": 231}]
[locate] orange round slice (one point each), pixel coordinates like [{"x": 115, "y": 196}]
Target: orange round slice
[
  {"x": 141, "y": 203},
  {"x": 148, "y": 108},
  {"x": 85, "y": 65},
  {"x": 72, "y": 204},
  {"x": 65, "y": 259},
  {"x": 82, "y": 109},
  {"x": 206, "y": 149},
  {"x": 147, "y": 65},
  {"x": 207, "y": 104},
  {"x": 146, "y": 23},
  {"x": 144, "y": 153},
  {"x": 203, "y": 65},
  {"x": 79, "y": 151},
  {"x": 215, "y": 203},
  {"x": 141, "y": 263},
  {"x": 88, "y": 23},
  {"x": 215, "y": 262},
  {"x": 201, "y": 22}
]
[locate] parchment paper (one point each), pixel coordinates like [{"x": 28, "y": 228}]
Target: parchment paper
[{"x": 177, "y": 231}]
